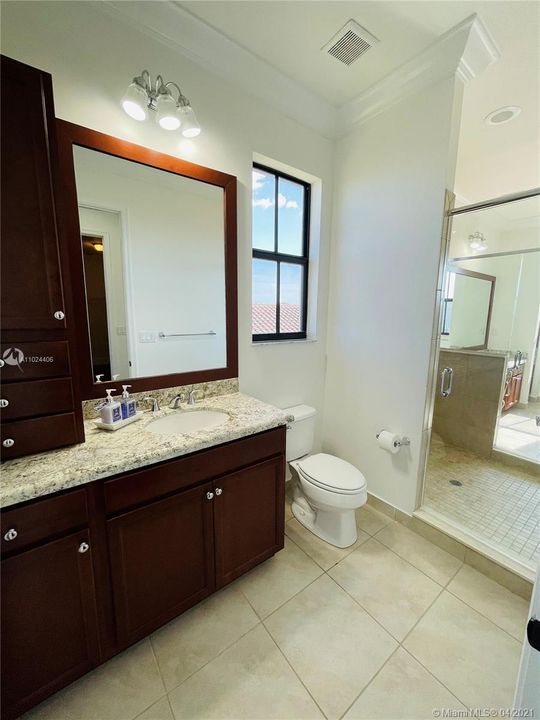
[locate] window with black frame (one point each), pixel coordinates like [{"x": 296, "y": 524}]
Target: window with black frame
[{"x": 280, "y": 240}]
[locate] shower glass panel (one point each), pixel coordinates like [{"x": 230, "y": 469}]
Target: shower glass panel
[{"x": 483, "y": 465}]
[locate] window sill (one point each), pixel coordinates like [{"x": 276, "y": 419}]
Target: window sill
[{"x": 300, "y": 341}]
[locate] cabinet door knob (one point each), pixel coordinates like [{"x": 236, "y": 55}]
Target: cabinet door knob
[
  {"x": 59, "y": 315},
  {"x": 4, "y": 403},
  {"x": 2, "y": 363},
  {"x": 8, "y": 442},
  {"x": 84, "y": 547},
  {"x": 209, "y": 495},
  {"x": 218, "y": 491},
  {"x": 10, "y": 535}
]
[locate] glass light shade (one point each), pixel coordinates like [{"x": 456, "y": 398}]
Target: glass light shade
[
  {"x": 166, "y": 112},
  {"x": 135, "y": 102},
  {"x": 190, "y": 126}
]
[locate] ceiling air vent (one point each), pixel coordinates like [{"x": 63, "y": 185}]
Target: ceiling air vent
[{"x": 350, "y": 43}]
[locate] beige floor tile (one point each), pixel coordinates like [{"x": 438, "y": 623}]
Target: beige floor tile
[
  {"x": 394, "y": 592},
  {"x": 275, "y": 581},
  {"x": 370, "y": 520},
  {"x": 427, "y": 557},
  {"x": 119, "y": 690},
  {"x": 476, "y": 660},
  {"x": 403, "y": 690},
  {"x": 323, "y": 553},
  {"x": 196, "y": 637},
  {"x": 331, "y": 642},
  {"x": 493, "y": 601},
  {"x": 158, "y": 711},
  {"x": 250, "y": 680}
]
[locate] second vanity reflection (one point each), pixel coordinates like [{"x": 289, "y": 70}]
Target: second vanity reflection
[{"x": 154, "y": 264}]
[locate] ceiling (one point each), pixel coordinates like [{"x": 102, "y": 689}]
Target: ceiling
[{"x": 289, "y": 35}]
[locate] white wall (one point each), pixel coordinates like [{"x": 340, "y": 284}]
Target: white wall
[
  {"x": 92, "y": 58},
  {"x": 173, "y": 242},
  {"x": 391, "y": 176}
]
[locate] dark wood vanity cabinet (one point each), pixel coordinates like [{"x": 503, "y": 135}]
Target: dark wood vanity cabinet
[
  {"x": 49, "y": 630},
  {"x": 162, "y": 561},
  {"x": 39, "y": 394},
  {"x": 248, "y": 518},
  {"x": 31, "y": 280},
  {"x": 48, "y": 599},
  {"x": 88, "y": 572},
  {"x": 512, "y": 390}
]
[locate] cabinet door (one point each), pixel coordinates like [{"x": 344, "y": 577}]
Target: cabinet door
[
  {"x": 49, "y": 626},
  {"x": 249, "y": 518},
  {"x": 162, "y": 561},
  {"x": 31, "y": 287}
]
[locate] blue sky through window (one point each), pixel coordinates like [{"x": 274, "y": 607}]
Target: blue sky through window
[{"x": 290, "y": 236}]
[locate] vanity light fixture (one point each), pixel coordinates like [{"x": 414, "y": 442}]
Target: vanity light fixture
[
  {"x": 171, "y": 113},
  {"x": 477, "y": 241}
]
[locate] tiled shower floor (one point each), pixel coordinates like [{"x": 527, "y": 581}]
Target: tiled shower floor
[{"x": 500, "y": 503}]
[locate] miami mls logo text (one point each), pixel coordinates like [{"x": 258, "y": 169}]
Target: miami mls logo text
[{"x": 13, "y": 356}]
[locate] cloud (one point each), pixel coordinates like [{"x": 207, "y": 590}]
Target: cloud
[
  {"x": 283, "y": 202},
  {"x": 263, "y": 202},
  {"x": 268, "y": 203},
  {"x": 258, "y": 180}
]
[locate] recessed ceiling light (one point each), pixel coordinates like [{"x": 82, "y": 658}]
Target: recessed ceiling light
[{"x": 502, "y": 115}]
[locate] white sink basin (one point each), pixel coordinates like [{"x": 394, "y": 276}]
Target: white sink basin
[{"x": 187, "y": 421}]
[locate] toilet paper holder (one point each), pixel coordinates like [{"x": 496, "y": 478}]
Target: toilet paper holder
[{"x": 404, "y": 442}]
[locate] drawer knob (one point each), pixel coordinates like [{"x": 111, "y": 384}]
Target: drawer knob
[
  {"x": 8, "y": 442},
  {"x": 59, "y": 315},
  {"x": 4, "y": 403},
  {"x": 84, "y": 547},
  {"x": 209, "y": 495},
  {"x": 10, "y": 535},
  {"x": 218, "y": 491}
]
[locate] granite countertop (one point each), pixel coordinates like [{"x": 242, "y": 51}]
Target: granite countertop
[{"x": 109, "y": 453}]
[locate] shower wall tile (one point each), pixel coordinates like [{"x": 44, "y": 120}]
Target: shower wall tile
[{"x": 468, "y": 418}]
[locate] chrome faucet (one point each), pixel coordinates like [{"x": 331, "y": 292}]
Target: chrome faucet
[
  {"x": 154, "y": 405},
  {"x": 177, "y": 399}
]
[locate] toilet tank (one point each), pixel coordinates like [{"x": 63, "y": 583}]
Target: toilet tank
[{"x": 300, "y": 433}]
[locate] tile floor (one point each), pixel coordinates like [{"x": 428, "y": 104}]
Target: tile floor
[
  {"x": 498, "y": 502},
  {"x": 393, "y": 627},
  {"x": 518, "y": 433}
]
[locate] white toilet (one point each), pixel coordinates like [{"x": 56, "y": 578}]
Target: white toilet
[{"x": 328, "y": 489}]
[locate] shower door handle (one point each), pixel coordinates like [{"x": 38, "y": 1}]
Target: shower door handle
[{"x": 447, "y": 380}]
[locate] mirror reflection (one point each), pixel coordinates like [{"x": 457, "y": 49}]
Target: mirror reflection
[
  {"x": 154, "y": 263},
  {"x": 467, "y": 304}
]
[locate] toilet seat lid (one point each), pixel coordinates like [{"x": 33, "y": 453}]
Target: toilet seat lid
[{"x": 329, "y": 471}]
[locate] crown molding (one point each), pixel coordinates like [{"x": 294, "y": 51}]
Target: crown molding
[
  {"x": 464, "y": 51},
  {"x": 480, "y": 51},
  {"x": 172, "y": 25}
]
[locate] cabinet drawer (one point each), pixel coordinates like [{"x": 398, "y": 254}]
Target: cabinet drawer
[
  {"x": 42, "y": 519},
  {"x": 38, "y": 435},
  {"x": 34, "y": 360},
  {"x": 151, "y": 483},
  {"x": 37, "y": 397}
]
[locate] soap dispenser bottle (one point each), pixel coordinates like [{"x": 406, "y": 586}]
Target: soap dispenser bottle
[
  {"x": 129, "y": 406},
  {"x": 111, "y": 410}
]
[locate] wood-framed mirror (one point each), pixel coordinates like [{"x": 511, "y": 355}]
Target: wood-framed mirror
[
  {"x": 151, "y": 240},
  {"x": 467, "y": 308}
]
